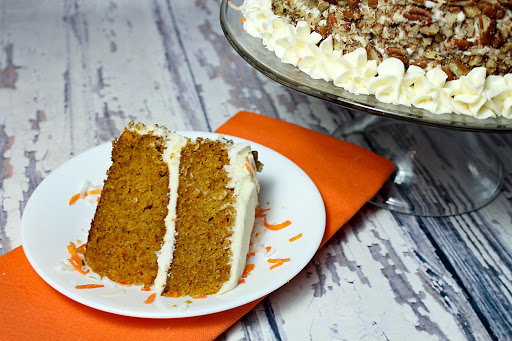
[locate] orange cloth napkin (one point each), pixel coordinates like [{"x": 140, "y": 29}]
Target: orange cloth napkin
[{"x": 346, "y": 175}]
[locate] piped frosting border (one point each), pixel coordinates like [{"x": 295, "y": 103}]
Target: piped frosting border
[{"x": 473, "y": 95}]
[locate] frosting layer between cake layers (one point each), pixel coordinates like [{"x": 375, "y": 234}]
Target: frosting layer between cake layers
[
  {"x": 474, "y": 94},
  {"x": 241, "y": 170}
]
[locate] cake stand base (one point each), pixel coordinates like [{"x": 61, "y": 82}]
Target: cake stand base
[{"x": 439, "y": 172}]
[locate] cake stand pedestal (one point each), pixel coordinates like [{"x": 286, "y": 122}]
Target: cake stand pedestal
[{"x": 439, "y": 172}]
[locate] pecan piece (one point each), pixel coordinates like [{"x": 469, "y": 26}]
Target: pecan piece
[
  {"x": 493, "y": 11},
  {"x": 448, "y": 72},
  {"x": 430, "y": 29},
  {"x": 397, "y": 53},
  {"x": 419, "y": 14},
  {"x": 420, "y": 62},
  {"x": 351, "y": 15},
  {"x": 373, "y": 3},
  {"x": 506, "y": 3},
  {"x": 458, "y": 68},
  {"x": 353, "y": 4},
  {"x": 373, "y": 53},
  {"x": 330, "y": 23},
  {"x": 461, "y": 2},
  {"x": 461, "y": 44}
]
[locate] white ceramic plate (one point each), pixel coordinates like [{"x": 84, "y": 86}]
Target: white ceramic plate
[{"x": 49, "y": 224}]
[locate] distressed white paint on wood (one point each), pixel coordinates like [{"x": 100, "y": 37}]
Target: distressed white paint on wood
[{"x": 72, "y": 74}]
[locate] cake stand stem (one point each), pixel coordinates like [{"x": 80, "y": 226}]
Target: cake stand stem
[{"x": 439, "y": 172}]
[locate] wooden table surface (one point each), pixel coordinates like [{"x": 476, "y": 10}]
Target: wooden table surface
[{"x": 74, "y": 73}]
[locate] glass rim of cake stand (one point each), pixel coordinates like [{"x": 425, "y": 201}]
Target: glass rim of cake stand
[{"x": 253, "y": 51}]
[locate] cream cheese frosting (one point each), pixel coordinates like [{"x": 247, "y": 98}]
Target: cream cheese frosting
[{"x": 474, "y": 94}]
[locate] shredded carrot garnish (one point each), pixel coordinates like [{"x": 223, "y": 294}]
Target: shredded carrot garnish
[
  {"x": 125, "y": 284},
  {"x": 146, "y": 288},
  {"x": 74, "y": 198},
  {"x": 74, "y": 255},
  {"x": 81, "y": 249},
  {"x": 89, "y": 286},
  {"x": 150, "y": 299},
  {"x": 243, "y": 19},
  {"x": 268, "y": 248},
  {"x": 248, "y": 168},
  {"x": 77, "y": 196},
  {"x": 295, "y": 238},
  {"x": 77, "y": 266},
  {"x": 198, "y": 297},
  {"x": 275, "y": 227},
  {"x": 241, "y": 281},
  {"x": 259, "y": 212},
  {"x": 278, "y": 260},
  {"x": 275, "y": 266},
  {"x": 252, "y": 253},
  {"x": 247, "y": 270}
]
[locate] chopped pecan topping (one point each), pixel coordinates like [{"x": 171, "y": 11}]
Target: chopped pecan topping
[
  {"x": 461, "y": 2},
  {"x": 420, "y": 62},
  {"x": 397, "y": 52}
]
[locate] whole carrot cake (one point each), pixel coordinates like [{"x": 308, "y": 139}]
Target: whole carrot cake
[
  {"x": 445, "y": 56},
  {"x": 175, "y": 212}
]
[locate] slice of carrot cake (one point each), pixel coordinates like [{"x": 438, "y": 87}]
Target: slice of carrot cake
[{"x": 175, "y": 212}]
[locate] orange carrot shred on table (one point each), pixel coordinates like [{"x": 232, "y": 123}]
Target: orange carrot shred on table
[
  {"x": 199, "y": 297},
  {"x": 89, "y": 286},
  {"x": 243, "y": 19},
  {"x": 295, "y": 238},
  {"x": 275, "y": 227},
  {"x": 268, "y": 248},
  {"x": 77, "y": 266},
  {"x": 95, "y": 191},
  {"x": 241, "y": 281},
  {"x": 125, "y": 284},
  {"x": 252, "y": 253},
  {"x": 150, "y": 299},
  {"x": 146, "y": 288}
]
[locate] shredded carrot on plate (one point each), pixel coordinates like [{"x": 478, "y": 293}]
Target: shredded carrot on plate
[
  {"x": 89, "y": 286},
  {"x": 243, "y": 19},
  {"x": 146, "y": 288},
  {"x": 295, "y": 238},
  {"x": 150, "y": 299},
  {"x": 242, "y": 281},
  {"x": 198, "y": 297},
  {"x": 247, "y": 270},
  {"x": 73, "y": 253},
  {"x": 275, "y": 227},
  {"x": 259, "y": 211},
  {"x": 278, "y": 260},
  {"x": 276, "y": 265},
  {"x": 81, "y": 248},
  {"x": 78, "y": 267}
]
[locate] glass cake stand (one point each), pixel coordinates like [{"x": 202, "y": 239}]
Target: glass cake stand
[{"x": 443, "y": 165}]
